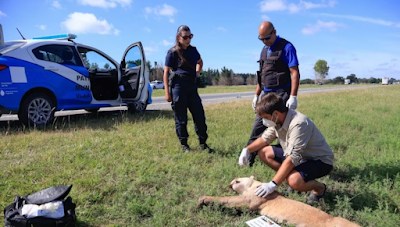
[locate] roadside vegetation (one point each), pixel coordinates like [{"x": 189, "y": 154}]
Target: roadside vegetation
[
  {"x": 243, "y": 88},
  {"x": 128, "y": 169}
]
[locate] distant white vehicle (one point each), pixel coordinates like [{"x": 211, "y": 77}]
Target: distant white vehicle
[
  {"x": 385, "y": 80},
  {"x": 346, "y": 81},
  {"x": 157, "y": 84}
]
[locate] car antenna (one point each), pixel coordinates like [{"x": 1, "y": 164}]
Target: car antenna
[{"x": 21, "y": 34}]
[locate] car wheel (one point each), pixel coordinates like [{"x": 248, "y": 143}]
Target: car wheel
[
  {"x": 92, "y": 110},
  {"x": 162, "y": 87},
  {"x": 154, "y": 87},
  {"x": 137, "y": 107},
  {"x": 37, "y": 109}
]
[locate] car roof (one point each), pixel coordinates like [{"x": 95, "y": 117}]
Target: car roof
[{"x": 29, "y": 42}]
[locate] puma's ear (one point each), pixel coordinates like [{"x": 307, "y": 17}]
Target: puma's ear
[{"x": 252, "y": 177}]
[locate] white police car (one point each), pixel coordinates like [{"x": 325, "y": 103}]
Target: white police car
[
  {"x": 157, "y": 84},
  {"x": 42, "y": 75}
]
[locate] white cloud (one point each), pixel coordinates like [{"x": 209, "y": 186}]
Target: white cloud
[
  {"x": 166, "y": 43},
  {"x": 84, "y": 23},
  {"x": 222, "y": 29},
  {"x": 164, "y": 10},
  {"x": 56, "y": 4},
  {"x": 2, "y": 14},
  {"x": 282, "y": 5},
  {"x": 150, "y": 50},
  {"x": 365, "y": 19},
  {"x": 273, "y": 5},
  {"x": 293, "y": 8},
  {"x": 105, "y": 3},
  {"x": 320, "y": 25},
  {"x": 265, "y": 17},
  {"x": 43, "y": 27},
  {"x": 147, "y": 29}
]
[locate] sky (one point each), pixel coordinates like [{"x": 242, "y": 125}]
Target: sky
[{"x": 360, "y": 37}]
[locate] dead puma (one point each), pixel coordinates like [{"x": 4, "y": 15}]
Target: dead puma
[{"x": 275, "y": 206}]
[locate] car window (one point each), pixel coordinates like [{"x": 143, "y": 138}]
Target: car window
[
  {"x": 57, "y": 53},
  {"x": 93, "y": 60}
]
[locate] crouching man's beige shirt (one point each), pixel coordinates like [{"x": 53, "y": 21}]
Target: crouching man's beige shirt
[{"x": 300, "y": 139}]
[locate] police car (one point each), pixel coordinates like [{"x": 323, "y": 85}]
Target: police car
[{"x": 46, "y": 74}]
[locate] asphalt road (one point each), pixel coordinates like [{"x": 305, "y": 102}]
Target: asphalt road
[{"x": 159, "y": 103}]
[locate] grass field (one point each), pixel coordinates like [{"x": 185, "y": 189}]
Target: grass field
[
  {"x": 128, "y": 170},
  {"x": 244, "y": 88}
]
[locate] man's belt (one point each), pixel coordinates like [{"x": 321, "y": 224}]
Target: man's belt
[{"x": 276, "y": 88}]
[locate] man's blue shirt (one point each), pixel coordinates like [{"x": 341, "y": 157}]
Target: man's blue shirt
[{"x": 288, "y": 53}]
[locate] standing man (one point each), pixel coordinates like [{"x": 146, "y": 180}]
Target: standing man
[
  {"x": 302, "y": 156},
  {"x": 279, "y": 73}
]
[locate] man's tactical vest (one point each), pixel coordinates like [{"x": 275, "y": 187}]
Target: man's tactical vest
[{"x": 274, "y": 70}]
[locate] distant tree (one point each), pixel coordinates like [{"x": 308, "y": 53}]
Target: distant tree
[
  {"x": 86, "y": 62},
  {"x": 106, "y": 66},
  {"x": 202, "y": 80},
  {"x": 373, "y": 80},
  {"x": 94, "y": 66},
  {"x": 338, "y": 80},
  {"x": 307, "y": 81},
  {"x": 362, "y": 80},
  {"x": 321, "y": 69},
  {"x": 352, "y": 78}
]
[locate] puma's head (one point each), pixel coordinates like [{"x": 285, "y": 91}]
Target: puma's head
[{"x": 241, "y": 185}]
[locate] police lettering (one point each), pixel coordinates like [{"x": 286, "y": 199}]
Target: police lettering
[
  {"x": 82, "y": 88},
  {"x": 82, "y": 96},
  {"x": 81, "y": 78}
]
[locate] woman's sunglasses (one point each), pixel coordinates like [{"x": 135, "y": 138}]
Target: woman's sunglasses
[
  {"x": 187, "y": 36},
  {"x": 267, "y": 37}
]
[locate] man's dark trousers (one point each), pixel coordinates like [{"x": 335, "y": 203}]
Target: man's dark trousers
[
  {"x": 258, "y": 127},
  {"x": 185, "y": 96}
]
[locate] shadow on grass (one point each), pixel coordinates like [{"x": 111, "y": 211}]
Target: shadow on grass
[
  {"x": 105, "y": 120},
  {"x": 366, "y": 175}
]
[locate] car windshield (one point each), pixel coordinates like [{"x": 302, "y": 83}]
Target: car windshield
[{"x": 9, "y": 46}]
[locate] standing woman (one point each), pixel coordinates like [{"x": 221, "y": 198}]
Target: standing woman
[{"x": 185, "y": 63}]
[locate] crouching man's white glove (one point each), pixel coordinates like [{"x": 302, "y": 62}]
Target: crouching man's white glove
[
  {"x": 292, "y": 102},
  {"x": 265, "y": 189},
  {"x": 244, "y": 157},
  {"x": 255, "y": 100}
]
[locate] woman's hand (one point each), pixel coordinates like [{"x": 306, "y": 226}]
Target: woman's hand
[{"x": 168, "y": 97}]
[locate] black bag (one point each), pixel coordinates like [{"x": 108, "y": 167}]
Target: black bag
[{"x": 13, "y": 217}]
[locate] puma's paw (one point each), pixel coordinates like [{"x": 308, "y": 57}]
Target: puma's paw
[{"x": 202, "y": 202}]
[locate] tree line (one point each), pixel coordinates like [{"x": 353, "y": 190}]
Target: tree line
[
  {"x": 321, "y": 70},
  {"x": 210, "y": 77},
  {"x": 227, "y": 77}
]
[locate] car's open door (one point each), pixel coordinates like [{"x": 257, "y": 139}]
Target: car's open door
[{"x": 133, "y": 68}]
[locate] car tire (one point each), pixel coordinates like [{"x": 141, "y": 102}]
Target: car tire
[
  {"x": 137, "y": 107},
  {"x": 92, "y": 110},
  {"x": 154, "y": 87},
  {"x": 37, "y": 109}
]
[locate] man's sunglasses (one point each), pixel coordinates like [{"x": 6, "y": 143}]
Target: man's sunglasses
[
  {"x": 187, "y": 36},
  {"x": 267, "y": 37}
]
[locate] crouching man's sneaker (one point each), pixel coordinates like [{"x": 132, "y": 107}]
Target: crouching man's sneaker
[
  {"x": 185, "y": 148},
  {"x": 313, "y": 198},
  {"x": 204, "y": 146}
]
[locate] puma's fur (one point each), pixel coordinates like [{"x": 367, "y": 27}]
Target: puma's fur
[{"x": 275, "y": 206}]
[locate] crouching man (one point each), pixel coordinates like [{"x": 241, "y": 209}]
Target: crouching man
[{"x": 302, "y": 155}]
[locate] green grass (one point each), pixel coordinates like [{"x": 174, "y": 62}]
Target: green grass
[
  {"x": 243, "y": 88},
  {"x": 128, "y": 170}
]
